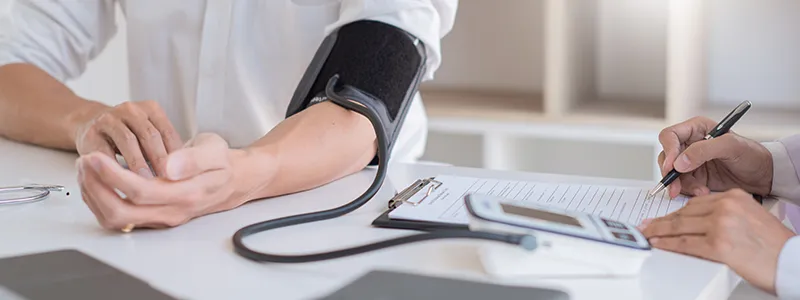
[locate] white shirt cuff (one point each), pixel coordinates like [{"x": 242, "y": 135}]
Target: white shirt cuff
[
  {"x": 785, "y": 183},
  {"x": 787, "y": 278}
]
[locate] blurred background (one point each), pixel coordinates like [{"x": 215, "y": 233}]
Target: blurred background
[{"x": 583, "y": 86}]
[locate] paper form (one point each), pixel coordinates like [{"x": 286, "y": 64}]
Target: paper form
[{"x": 624, "y": 204}]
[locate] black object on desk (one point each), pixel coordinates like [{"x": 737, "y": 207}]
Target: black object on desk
[
  {"x": 386, "y": 222},
  {"x": 68, "y": 275},
  {"x": 722, "y": 128},
  {"x": 386, "y": 285}
]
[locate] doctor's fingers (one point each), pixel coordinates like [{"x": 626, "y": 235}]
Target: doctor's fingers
[
  {"x": 675, "y": 137},
  {"x": 677, "y": 226},
  {"x": 114, "y": 212},
  {"x": 695, "y": 183},
  {"x": 695, "y": 245},
  {"x": 727, "y": 146}
]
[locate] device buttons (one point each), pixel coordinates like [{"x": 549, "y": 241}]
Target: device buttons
[
  {"x": 615, "y": 224},
  {"x": 624, "y": 236}
]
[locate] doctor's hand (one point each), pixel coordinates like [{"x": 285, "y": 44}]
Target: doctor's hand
[
  {"x": 726, "y": 227},
  {"x": 198, "y": 181},
  {"x": 726, "y": 162},
  {"x": 139, "y": 131}
]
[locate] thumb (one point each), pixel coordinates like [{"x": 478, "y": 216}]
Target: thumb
[
  {"x": 701, "y": 152},
  {"x": 206, "y": 152}
]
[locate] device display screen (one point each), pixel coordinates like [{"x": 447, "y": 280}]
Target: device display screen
[{"x": 540, "y": 214}]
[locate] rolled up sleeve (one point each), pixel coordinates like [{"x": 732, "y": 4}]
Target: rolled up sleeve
[
  {"x": 59, "y": 37},
  {"x": 428, "y": 20},
  {"x": 787, "y": 279}
]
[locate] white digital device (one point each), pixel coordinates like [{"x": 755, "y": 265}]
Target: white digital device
[{"x": 568, "y": 243}]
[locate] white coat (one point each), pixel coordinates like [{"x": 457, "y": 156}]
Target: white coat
[{"x": 223, "y": 66}]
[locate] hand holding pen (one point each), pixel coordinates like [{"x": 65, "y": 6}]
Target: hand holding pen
[{"x": 701, "y": 155}]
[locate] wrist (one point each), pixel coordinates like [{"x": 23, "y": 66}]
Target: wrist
[
  {"x": 79, "y": 117},
  {"x": 783, "y": 179},
  {"x": 253, "y": 169}
]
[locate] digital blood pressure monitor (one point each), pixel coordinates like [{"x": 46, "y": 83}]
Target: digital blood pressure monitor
[{"x": 569, "y": 243}]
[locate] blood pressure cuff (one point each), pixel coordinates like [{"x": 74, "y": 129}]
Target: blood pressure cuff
[{"x": 378, "y": 65}]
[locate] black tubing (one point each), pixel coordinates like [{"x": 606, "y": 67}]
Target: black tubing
[{"x": 383, "y": 157}]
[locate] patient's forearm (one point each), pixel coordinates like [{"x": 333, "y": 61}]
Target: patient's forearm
[
  {"x": 314, "y": 147},
  {"x": 38, "y": 109}
]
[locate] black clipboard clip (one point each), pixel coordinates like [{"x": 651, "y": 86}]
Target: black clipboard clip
[{"x": 411, "y": 190}]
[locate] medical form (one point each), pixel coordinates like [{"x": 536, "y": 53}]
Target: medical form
[{"x": 625, "y": 204}]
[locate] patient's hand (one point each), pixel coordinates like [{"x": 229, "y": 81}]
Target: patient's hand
[
  {"x": 139, "y": 131},
  {"x": 198, "y": 181}
]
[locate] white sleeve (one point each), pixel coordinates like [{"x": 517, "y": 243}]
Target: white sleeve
[
  {"x": 787, "y": 279},
  {"x": 428, "y": 20},
  {"x": 785, "y": 183},
  {"x": 60, "y": 37}
]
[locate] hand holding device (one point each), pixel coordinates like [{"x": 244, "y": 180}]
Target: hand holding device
[
  {"x": 140, "y": 131},
  {"x": 694, "y": 163},
  {"x": 727, "y": 228}
]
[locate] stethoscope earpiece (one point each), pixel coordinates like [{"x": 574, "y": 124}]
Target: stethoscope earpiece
[{"x": 42, "y": 191}]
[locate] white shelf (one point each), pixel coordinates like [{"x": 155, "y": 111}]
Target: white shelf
[
  {"x": 527, "y": 112},
  {"x": 483, "y": 105},
  {"x": 598, "y": 72}
]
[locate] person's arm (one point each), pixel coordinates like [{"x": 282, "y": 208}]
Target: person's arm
[
  {"x": 50, "y": 42},
  {"x": 311, "y": 148},
  {"x": 786, "y": 167},
  {"x": 36, "y": 108},
  {"x": 43, "y": 45},
  {"x": 786, "y": 185},
  {"x": 327, "y": 142},
  {"x": 320, "y": 144}
]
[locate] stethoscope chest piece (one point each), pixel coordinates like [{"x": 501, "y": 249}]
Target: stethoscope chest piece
[{"x": 27, "y": 193}]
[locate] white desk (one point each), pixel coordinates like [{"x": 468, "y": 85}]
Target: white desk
[{"x": 196, "y": 260}]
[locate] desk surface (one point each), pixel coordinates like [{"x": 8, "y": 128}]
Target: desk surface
[{"x": 196, "y": 260}]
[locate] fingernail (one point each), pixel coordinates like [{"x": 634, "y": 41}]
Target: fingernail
[
  {"x": 698, "y": 192},
  {"x": 682, "y": 163},
  {"x": 664, "y": 165},
  {"x": 174, "y": 168},
  {"x": 95, "y": 163},
  {"x": 144, "y": 172},
  {"x": 642, "y": 226},
  {"x": 654, "y": 240}
]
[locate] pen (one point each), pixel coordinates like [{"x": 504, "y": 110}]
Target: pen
[{"x": 720, "y": 129}]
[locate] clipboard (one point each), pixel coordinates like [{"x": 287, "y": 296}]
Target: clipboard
[{"x": 424, "y": 185}]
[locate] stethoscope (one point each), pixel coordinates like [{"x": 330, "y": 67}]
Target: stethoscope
[{"x": 40, "y": 192}]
